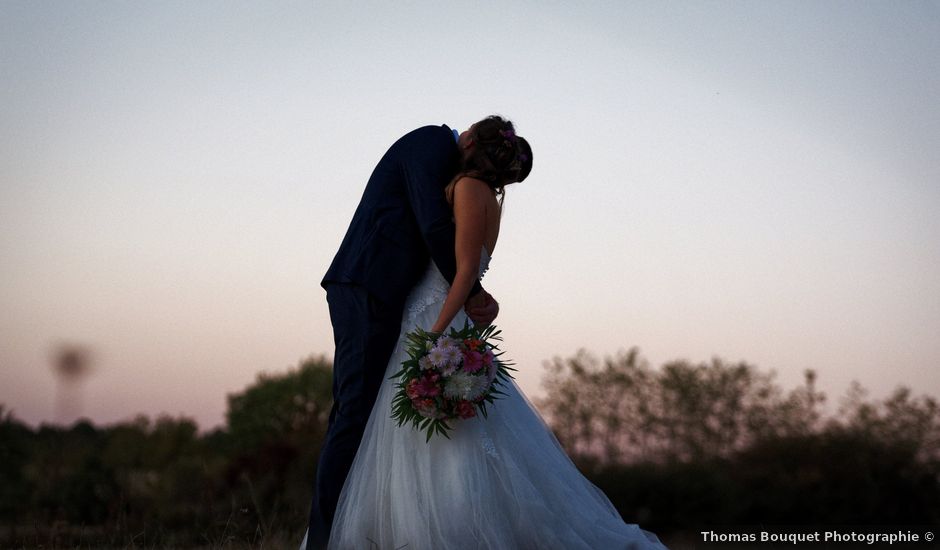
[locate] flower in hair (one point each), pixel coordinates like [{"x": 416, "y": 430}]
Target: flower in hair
[{"x": 508, "y": 134}]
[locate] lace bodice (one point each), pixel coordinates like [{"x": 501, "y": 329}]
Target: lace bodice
[{"x": 433, "y": 287}]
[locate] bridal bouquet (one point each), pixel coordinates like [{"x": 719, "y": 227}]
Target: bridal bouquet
[{"x": 448, "y": 377}]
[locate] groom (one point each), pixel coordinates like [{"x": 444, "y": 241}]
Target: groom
[{"x": 402, "y": 221}]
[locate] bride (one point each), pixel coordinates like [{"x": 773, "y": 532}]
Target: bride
[{"x": 501, "y": 482}]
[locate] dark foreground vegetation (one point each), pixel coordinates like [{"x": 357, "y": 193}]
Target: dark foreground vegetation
[{"x": 677, "y": 449}]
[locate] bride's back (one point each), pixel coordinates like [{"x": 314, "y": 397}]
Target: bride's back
[{"x": 493, "y": 210}]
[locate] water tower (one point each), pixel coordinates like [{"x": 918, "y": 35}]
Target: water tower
[{"x": 71, "y": 364}]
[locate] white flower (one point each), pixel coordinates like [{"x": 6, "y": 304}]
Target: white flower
[
  {"x": 425, "y": 363},
  {"x": 454, "y": 356},
  {"x": 437, "y": 356},
  {"x": 446, "y": 342},
  {"x": 449, "y": 368},
  {"x": 465, "y": 386}
]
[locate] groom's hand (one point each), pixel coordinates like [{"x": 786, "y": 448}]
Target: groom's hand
[{"x": 482, "y": 308}]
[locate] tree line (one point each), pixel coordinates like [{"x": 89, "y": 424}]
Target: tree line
[
  {"x": 678, "y": 448},
  {"x": 690, "y": 446}
]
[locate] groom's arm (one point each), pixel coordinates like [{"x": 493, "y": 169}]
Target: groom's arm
[{"x": 426, "y": 164}]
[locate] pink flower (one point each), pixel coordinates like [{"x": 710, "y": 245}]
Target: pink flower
[
  {"x": 427, "y": 386},
  {"x": 472, "y": 361},
  {"x": 426, "y": 407},
  {"x": 412, "y": 389},
  {"x": 465, "y": 409}
]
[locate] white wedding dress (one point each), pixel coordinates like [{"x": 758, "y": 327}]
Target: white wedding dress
[{"x": 502, "y": 482}]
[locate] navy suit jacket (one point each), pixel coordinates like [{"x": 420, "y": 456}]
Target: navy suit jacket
[{"x": 403, "y": 219}]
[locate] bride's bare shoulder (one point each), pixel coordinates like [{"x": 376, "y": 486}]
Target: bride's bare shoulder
[{"x": 470, "y": 189}]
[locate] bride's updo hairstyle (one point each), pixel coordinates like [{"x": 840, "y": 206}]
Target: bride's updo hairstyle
[{"x": 498, "y": 156}]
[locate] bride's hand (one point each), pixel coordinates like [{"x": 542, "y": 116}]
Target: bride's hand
[{"x": 482, "y": 308}]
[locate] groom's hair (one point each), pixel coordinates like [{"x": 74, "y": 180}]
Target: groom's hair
[{"x": 499, "y": 157}]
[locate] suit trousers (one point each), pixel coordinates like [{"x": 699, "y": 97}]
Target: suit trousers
[{"x": 365, "y": 332}]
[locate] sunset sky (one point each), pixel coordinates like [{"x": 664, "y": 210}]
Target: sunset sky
[{"x": 752, "y": 181}]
